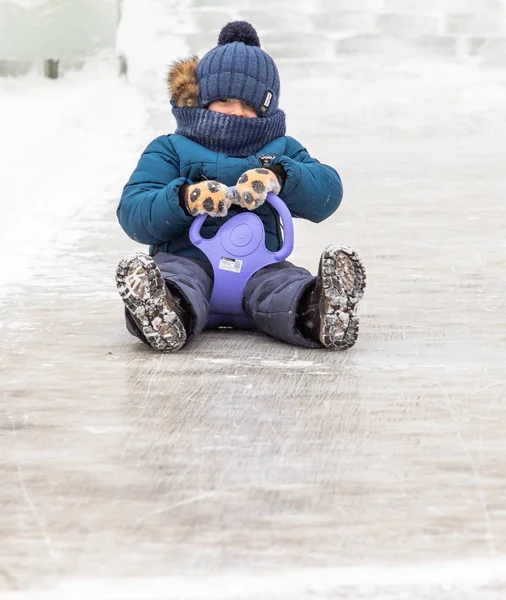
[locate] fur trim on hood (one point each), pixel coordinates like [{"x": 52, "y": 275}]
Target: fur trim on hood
[{"x": 182, "y": 82}]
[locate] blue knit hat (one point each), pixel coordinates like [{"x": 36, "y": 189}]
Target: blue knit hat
[{"x": 239, "y": 68}]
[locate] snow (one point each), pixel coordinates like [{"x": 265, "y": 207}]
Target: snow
[
  {"x": 148, "y": 44},
  {"x": 379, "y": 581},
  {"x": 66, "y": 144}
]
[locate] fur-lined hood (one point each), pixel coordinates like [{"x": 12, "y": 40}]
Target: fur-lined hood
[{"x": 182, "y": 82}]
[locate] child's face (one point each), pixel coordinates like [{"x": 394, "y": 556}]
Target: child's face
[{"x": 234, "y": 107}]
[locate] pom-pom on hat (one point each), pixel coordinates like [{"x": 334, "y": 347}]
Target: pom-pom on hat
[{"x": 239, "y": 68}]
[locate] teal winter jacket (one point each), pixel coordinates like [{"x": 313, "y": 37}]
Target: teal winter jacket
[{"x": 149, "y": 209}]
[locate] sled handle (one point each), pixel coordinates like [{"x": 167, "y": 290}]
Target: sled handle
[{"x": 286, "y": 220}]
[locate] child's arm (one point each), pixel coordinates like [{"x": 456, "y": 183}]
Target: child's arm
[
  {"x": 149, "y": 210},
  {"x": 311, "y": 190}
]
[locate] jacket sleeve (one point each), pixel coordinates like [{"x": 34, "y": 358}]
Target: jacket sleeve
[
  {"x": 149, "y": 209},
  {"x": 312, "y": 190}
]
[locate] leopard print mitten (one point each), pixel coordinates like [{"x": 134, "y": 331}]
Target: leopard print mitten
[
  {"x": 209, "y": 198},
  {"x": 254, "y": 185}
]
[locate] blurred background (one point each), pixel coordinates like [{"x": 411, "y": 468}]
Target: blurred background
[
  {"x": 36, "y": 30},
  {"x": 93, "y": 71}
]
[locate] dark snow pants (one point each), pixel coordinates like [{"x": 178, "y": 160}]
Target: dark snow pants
[{"x": 270, "y": 298}]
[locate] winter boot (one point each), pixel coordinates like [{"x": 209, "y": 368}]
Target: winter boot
[
  {"x": 156, "y": 311},
  {"x": 327, "y": 310}
]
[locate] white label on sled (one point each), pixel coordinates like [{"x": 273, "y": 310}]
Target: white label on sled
[{"x": 230, "y": 264}]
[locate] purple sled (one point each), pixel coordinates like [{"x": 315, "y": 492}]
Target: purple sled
[{"x": 237, "y": 251}]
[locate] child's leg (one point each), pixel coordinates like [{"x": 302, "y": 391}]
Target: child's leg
[
  {"x": 166, "y": 298},
  {"x": 271, "y": 299},
  {"x": 290, "y": 304},
  {"x": 192, "y": 281}
]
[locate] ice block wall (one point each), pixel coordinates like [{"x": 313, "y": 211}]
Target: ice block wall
[
  {"x": 324, "y": 29},
  {"x": 32, "y": 30}
]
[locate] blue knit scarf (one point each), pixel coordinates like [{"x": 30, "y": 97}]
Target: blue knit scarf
[{"x": 235, "y": 136}]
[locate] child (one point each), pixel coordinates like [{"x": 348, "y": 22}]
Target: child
[{"x": 231, "y": 132}]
